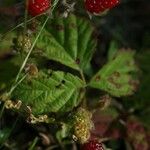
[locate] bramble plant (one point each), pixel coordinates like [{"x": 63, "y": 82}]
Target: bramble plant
[{"x": 52, "y": 55}]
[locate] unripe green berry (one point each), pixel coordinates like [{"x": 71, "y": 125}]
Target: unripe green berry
[
  {"x": 82, "y": 125},
  {"x": 23, "y": 43}
]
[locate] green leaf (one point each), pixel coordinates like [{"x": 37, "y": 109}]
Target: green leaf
[
  {"x": 116, "y": 76},
  {"x": 68, "y": 41},
  {"x": 53, "y": 92},
  {"x": 53, "y": 51}
]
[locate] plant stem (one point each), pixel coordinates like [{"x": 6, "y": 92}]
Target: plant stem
[
  {"x": 82, "y": 76},
  {"x": 54, "y": 5},
  {"x": 33, "y": 143},
  {"x": 31, "y": 49}
]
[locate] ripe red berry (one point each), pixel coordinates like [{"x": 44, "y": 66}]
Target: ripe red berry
[
  {"x": 98, "y": 6},
  {"x": 37, "y": 7},
  {"x": 92, "y": 145}
]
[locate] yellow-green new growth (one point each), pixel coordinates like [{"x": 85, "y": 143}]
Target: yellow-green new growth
[
  {"x": 82, "y": 125},
  {"x": 23, "y": 43}
]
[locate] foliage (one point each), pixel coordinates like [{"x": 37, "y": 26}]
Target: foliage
[
  {"x": 57, "y": 73},
  {"x": 115, "y": 76},
  {"x": 55, "y": 91}
]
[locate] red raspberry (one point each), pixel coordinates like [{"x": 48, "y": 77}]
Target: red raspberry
[
  {"x": 98, "y": 6},
  {"x": 37, "y": 7},
  {"x": 92, "y": 145}
]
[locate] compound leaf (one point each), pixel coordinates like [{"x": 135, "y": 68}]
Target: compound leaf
[
  {"x": 53, "y": 92},
  {"x": 116, "y": 76},
  {"x": 68, "y": 41}
]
